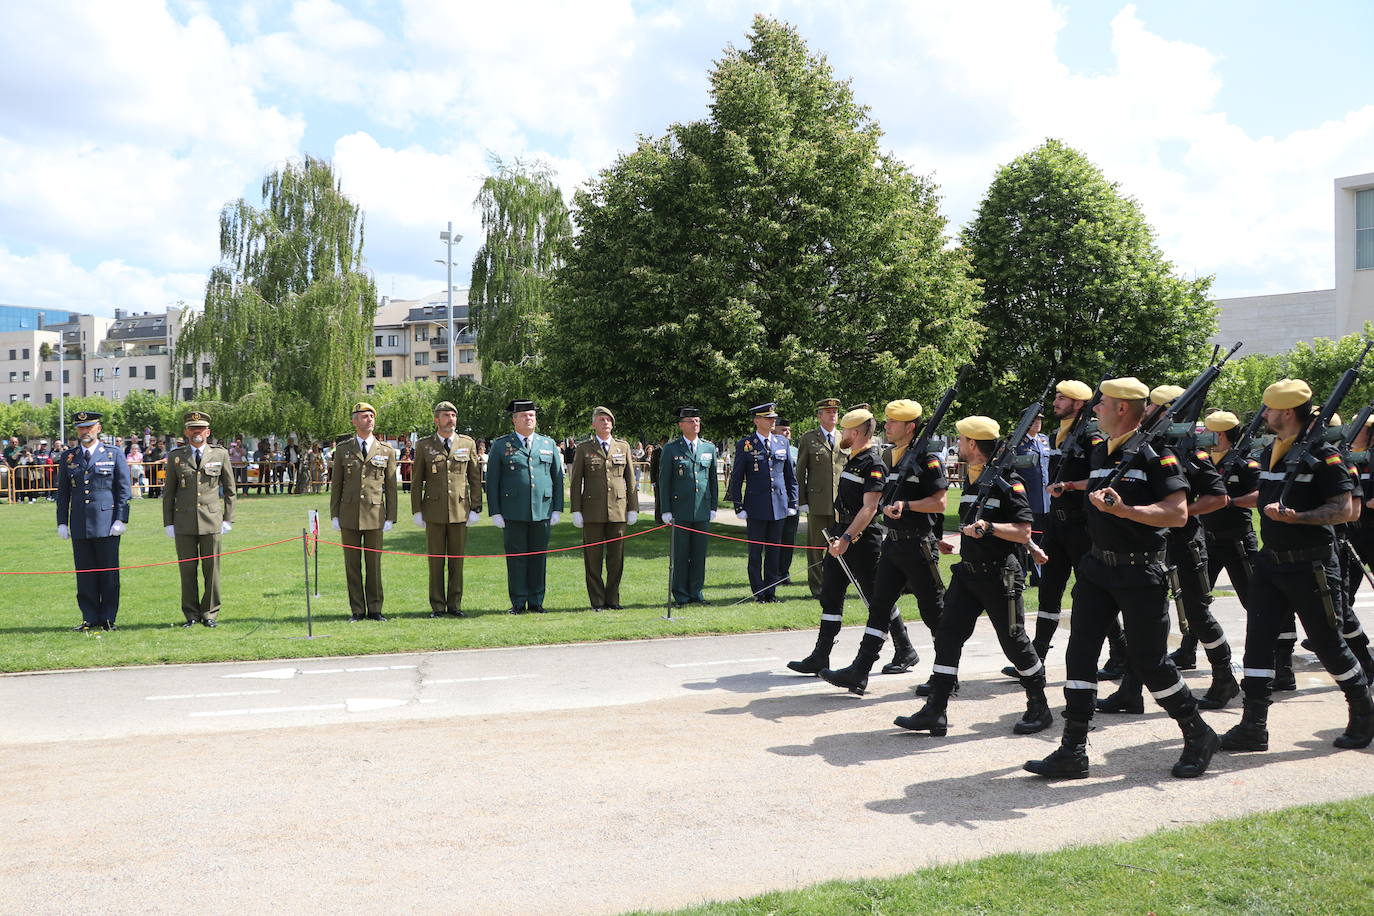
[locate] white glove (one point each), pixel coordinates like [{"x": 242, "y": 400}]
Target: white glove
[
  {"x": 554, "y": 517},
  {"x": 419, "y": 520},
  {"x": 335, "y": 520},
  {"x": 631, "y": 517},
  {"x": 577, "y": 519},
  {"x": 386, "y": 526},
  {"x": 64, "y": 532},
  {"x": 473, "y": 517},
  {"x": 668, "y": 518},
  {"x": 117, "y": 528},
  {"x": 171, "y": 531},
  {"x": 804, "y": 510},
  {"x": 498, "y": 521},
  {"x": 791, "y": 511},
  {"x": 712, "y": 516},
  {"x": 225, "y": 527},
  {"x": 739, "y": 513}
]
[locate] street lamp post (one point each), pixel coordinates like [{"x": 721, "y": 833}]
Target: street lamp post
[{"x": 450, "y": 238}]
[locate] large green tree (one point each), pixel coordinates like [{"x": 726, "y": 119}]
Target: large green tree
[
  {"x": 526, "y": 233},
  {"x": 290, "y": 301},
  {"x": 772, "y": 251},
  {"x": 1074, "y": 285}
]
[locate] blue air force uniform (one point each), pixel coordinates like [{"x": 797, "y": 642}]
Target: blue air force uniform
[
  {"x": 92, "y": 496},
  {"x": 688, "y": 490},
  {"x": 525, "y": 488},
  {"x": 763, "y": 485}
]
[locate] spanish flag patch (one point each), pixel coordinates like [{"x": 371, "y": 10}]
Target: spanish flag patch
[
  {"x": 1252, "y": 463},
  {"x": 1018, "y": 488},
  {"x": 1333, "y": 459},
  {"x": 876, "y": 474},
  {"x": 933, "y": 464},
  {"x": 1168, "y": 461}
]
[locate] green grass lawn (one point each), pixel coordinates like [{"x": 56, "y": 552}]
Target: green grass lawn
[
  {"x": 264, "y": 595},
  {"x": 1310, "y": 859}
]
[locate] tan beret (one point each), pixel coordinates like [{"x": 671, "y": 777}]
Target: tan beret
[
  {"x": 603, "y": 412},
  {"x": 984, "y": 428},
  {"x": 1287, "y": 393},
  {"x": 855, "y": 418},
  {"x": 1335, "y": 420},
  {"x": 1221, "y": 420},
  {"x": 1163, "y": 394},
  {"x": 362, "y": 406},
  {"x": 1074, "y": 389},
  {"x": 904, "y": 409},
  {"x": 1129, "y": 388},
  {"x": 445, "y": 405}
]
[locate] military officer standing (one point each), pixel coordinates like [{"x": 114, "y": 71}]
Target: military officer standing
[
  {"x": 819, "y": 464},
  {"x": 688, "y": 490},
  {"x": 604, "y": 501},
  {"x": 93, "y": 510},
  {"x": 763, "y": 487},
  {"x": 445, "y": 498},
  {"x": 525, "y": 499},
  {"x": 197, "y": 509},
  {"x": 362, "y": 504}
]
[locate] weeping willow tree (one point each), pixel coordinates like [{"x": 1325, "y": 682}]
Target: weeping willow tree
[
  {"x": 527, "y": 230},
  {"x": 289, "y": 308}
]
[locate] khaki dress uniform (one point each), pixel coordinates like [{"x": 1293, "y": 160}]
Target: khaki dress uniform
[
  {"x": 362, "y": 496},
  {"x": 602, "y": 485},
  {"x": 197, "y": 498},
  {"x": 819, "y": 465},
  {"x": 445, "y": 488}
]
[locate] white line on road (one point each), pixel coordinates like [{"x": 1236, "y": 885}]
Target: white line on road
[
  {"x": 202, "y": 696},
  {"x": 469, "y": 680},
  {"x": 351, "y": 705},
  {"x": 725, "y": 661}
]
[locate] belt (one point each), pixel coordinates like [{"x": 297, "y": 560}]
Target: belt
[
  {"x": 1065, "y": 515},
  {"x": 984, "y": 569},
  {"x": 1129, "y": 558},
  {"x": 1231, "y": 534},
  {"x": 908, "y": 534},
  {"x": 1305, "y": 555}
]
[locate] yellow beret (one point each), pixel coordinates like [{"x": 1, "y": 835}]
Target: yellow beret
[
  {"x": 984, "y": 428},
  {"x": 1335, "y": 420},
  {"x": 602, "y": 411},
  {"x": 1287, "y": 393},
  {"x": 905, "y": 409},
  {"x": 1074, "y": 389},
  {"x": 364, "y": 406},
  {"x": 1163, "y": 394},
  {"x": 1220, "y": 420},
  {"x": 856, "y": 417},
  {"x": 1129, "y": 388}
]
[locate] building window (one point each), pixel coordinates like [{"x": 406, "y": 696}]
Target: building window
[
  {"x": 422, "y": 359},
  {"x": 421, "y": 333},
  {"x": 379, "y": 340},
  {"x": 393, "y": 340},
  {"x": 27, "y": 396},
  {"x": 204, "y": 368},
  {"x": 100, "y": 394},
  {"x": 14, "y": 376},
  {"x": 466, "y": 375},
  {"x": 371, "y": 368},
  {"x": 465, "y": 355},
  {"x": 12, "y": 354},
  {"x": 370, "y": 388},
  {"x": 133, "y": 372},
  {"x": 26, "y": 353},
  {"x": 66, "y": 376},
  {"x": 386, "y": 368},
  {"x": 441, "y": 356},
  {"x": 47, "y": 398},
  {"x": 186, "y": 370},
  {"x": 1364, "y": 229},
  {"x": 149, "y": 372},
  {"x": 47, "y": 375},
  {"x": 13, "y": 398},
  {"x": 97, "y": 374},
  {"x": 187, "y": 394},
  {"x": 151, "y": 390},
  {"x": 26, "y": 375},
  {"x": 116, "y": 372}
]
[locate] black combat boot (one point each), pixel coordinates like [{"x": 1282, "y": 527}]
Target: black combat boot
[
  {"x": 1185, "y": 656},
  {"x": 1038, "y": 716},
  {"x": 924, "y": 689},
  {"x": 1127, "y": 698},
  {"x": 820, "y": 656},
  {"x": 1070, "y": 759},
  {"x": 1360, "y": 729},
  {"x": 1199, "y": 744},
  {"x": 1115, "y": 667},
  {"x": 855, "y": 677},
  {"x": 931, "y": 718},
  {"x": 1224, "y": 688},
  {"x": 1284, "y": 679},
  {"x": 904, "y": 656},
  {"x": 1252, "y": 732}
]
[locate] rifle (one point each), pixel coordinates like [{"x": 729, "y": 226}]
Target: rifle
[
  {"x": 1240, "y": 449},
  {"x": 916, "y": 449},
  {"x": 1073, "y": 446},
  {"x": 1353, "y": 429},
  {"x": 1315, "y": 433},
  {"x": 1156, "y": 424},
  {"x": 1002, "y": 459}
]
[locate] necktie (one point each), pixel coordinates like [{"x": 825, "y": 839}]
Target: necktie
[
  {"x": 605, "y": 448},
  {"x": 447, "y": 444},
  {"x": 362, "y": 444},
  {"x": 197, "y": 457},
  {"x": 830, "y": 439}
]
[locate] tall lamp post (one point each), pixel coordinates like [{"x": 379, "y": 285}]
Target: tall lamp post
[{"x": 448, "y": 236}]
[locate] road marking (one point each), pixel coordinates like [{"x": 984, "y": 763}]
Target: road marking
[
  {"x": 469, "y": 680},
  {"x": 202, "y": 696},
  {"x": 286, "y": 674},
  {"x": 352, "y": 705},
  {"x": 727, "y": 661},
  {"x": 276, "y": 674}
]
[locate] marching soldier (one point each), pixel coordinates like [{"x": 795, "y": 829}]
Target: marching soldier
[
  {"x": 688, "y": 490},
  {"x": 445, "y": 498},
  {"x": 93, "y": 511},
  {"x": 525, "y": 499},
  {"x": 819, "y": 464},
  {"x": 763, "y": 487},
  {"x": 604, "y": 501},
  {"x": 1359, "y": 535},
  {"x": 197, "y": 510},
  {"x": 1297, "y": 573},
  {"x": 362, "y": 504},
  {"x": 1125, "y": 570},
  {"x": 989, "y": 578}
]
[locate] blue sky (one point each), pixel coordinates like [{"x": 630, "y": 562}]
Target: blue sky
[{"x": 125, "y": 127}]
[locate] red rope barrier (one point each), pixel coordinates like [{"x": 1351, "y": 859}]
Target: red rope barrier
[
  {"x": 726, "y": 537},
  {"x": 489, "y": 556}
]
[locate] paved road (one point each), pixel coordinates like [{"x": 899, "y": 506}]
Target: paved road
[{"x": 588, "y": 778}]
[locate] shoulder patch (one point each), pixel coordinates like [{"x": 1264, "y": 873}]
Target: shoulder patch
[
  {"x": 1018, "y": 488},
  {"x": 933, "y": 464},
  {"x": 1168, "y": 461},
  {"x": 1203, "y": 456},
  {"x": 1252, "y": 463},
  {"x": 877, "y": 474},
  {"x": 1333, "y": 459}
]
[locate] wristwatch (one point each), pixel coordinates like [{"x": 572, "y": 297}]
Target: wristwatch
[{"x": 846, "y": 537}]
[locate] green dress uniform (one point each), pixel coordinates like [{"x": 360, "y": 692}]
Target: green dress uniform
[
  {"x": 525, "y": 488},
  {"x": 602, "y": 488},
  {"x": 446, "y": 492},
  {"x": 362, "y": 496},
  {"x": 197, "y": 501},
  {"x": 688, "y": 491},
  {"x": 819, "y": 464}
]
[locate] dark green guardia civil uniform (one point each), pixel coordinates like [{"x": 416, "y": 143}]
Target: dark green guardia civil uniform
[
  {"x": 688, "y": 491},
  {"x": 525, "y": 488}
]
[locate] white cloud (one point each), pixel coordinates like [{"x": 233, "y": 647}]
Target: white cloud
[{"x": 49, "y": 279}]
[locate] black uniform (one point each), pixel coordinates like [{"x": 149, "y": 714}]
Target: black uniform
[
  {"x": 863, "y": 473},
  {"x": 910, "y": 557},
  {"x": 1360, "y": 534},
  {"x": 1352, "y": 571},
  {"x": 1231, "y": 541},
  {"x": 1066, "y": 537},
  {"x": 1189, "y": 559}
]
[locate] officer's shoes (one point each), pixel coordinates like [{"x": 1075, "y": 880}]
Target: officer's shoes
[
  {"x": 377, "y": 617},
  {"x": 930, "y": 719},
  {"x": 1199, "y": 744},
  {"x": 1113, "y": 670},
  {"x": 812, "y": 664},
  {"x": 1068, "y": 761},
  {"x": 1284, "y": 680},
  {"x": 516, "y": 610},
  {"x": 1224, "y": 689},
  {"x": 210, "y": 623},
  {"x": 1359, "y": 732},
  {"x": 923, "y": 690},
  {"x": 1184, "y": 659},
  {"x": 854, "y": 678},
  {"x": 902, "y": 661},
  {"x": 456, "y": 613},
  {"x": 434, "y": 614},
  {"x": 1246, "y": 736},
  {"x": 190, "y": 623},
  {"x": 1037, "y": 718},
  {"x": 537, "y": 609},
  {"x": 621, "y": 607},
  {"x": 82, "y": 628},
  {"x": 109, "y": 626},
  {"x": 1128, "y": 704}
]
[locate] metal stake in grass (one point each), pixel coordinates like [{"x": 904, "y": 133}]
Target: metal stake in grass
[{"x": 305, "y": 560}]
